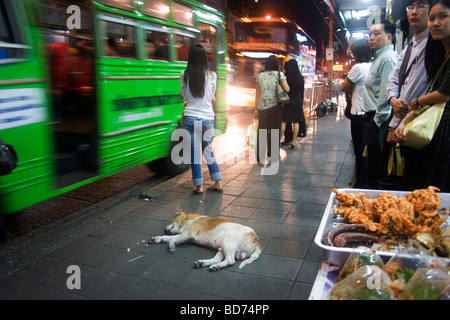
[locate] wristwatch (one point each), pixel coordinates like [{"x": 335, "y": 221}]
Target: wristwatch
[{"x": 416, "y": 103}]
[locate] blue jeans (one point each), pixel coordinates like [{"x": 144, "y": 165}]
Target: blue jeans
[{"x": 202, "y": 133}]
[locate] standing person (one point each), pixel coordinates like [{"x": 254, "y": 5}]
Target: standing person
[
  {"x": 198, "y": 87},
  {"x": 293, "y": 111},
  {"x": 375, "y": 103},
  {"x": 269, "y": 110},
  {"x": 409, "y": 80},
  {"x": 432, "y": 168},
  {"x": 355, "y": 80}
]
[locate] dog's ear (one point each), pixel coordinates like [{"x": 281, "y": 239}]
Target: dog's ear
[{"x": 179, "y": 210}]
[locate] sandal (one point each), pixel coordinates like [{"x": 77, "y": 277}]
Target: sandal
[
  {"x": 291, "y": 146},
  {"x": 214, "y": 188},
  {"x": 197, "y": 191}
]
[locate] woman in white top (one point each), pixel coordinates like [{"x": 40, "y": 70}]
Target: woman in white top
[
  {"x": 198, "y": 87},
  {"x": 355, "y": 81},
  {"x": 269, "y": 111}
]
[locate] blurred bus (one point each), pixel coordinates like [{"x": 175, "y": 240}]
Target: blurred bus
[
  {"x": 91, "y": 88},
  {"x": 255, "y": 39}
]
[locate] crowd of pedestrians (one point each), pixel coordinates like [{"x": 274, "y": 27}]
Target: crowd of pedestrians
[{"x": 390, "y": 91}]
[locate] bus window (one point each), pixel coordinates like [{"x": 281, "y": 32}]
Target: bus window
[
  {"x": 207, "y": 39},
  {"x": 182, "y": 14},
  {"x": 183, "y": 44},
  {"x": 157, "y": 8},
  {"x": 11, "y": 44},
  {"x": 120, "y": 4},
  {"x": 220, "y": 47},
  {"x": 120, "y": 40},
  {"x": 157, "y": 45}
]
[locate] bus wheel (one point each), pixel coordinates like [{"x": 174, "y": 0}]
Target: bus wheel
[
  {"x": 3, "y": 234},
  {"x": 166, "y": 166}
]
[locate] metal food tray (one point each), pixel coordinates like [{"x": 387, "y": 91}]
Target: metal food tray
[{"x": 338, "y": 256}]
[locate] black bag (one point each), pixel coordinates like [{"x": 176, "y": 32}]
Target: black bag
[
  {"x": 8, "y": 158},
  {"x": 321, "y": 109}
]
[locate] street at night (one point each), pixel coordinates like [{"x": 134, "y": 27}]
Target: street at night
[{"x": 223, "y": 157}]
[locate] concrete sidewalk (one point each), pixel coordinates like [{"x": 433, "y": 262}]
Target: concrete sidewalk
[{"x": 115, "y": 261}]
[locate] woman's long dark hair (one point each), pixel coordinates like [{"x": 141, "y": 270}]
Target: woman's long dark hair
[
  {"x": 195, "y": 74},
  {"x": 293, "y": 75},
  {"x": 435, "y": 50}
]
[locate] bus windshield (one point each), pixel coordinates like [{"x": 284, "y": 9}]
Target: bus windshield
[
  {"x": 262, "y": 32},
  {"x": 255, "y": 39}
]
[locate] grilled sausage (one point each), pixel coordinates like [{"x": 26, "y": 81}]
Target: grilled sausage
[
  {"x": 332, "y": 233},
  {"x": 342, "y": 239}
]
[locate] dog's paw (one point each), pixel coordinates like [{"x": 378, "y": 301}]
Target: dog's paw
[
  {"x": 171, "y": 249},
  {"x": 198, "y": 264},
  {"x": 154, "y": 240},
  {"x": 214, "y": 268}
]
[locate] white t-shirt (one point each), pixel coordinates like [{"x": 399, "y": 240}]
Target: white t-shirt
[
  {"x": 358, "y": 76},
  {"x": 200, "y": 107}
]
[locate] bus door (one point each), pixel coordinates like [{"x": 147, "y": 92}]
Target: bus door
[
  {"x": 70, "y": 56},
  {"x": 23, "y": 108},
  {"x": 212, "y": 39}
]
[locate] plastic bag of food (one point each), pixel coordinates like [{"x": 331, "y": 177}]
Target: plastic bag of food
[
  {"x": 369, "y": 282},
  {"x": 359, "y": 257},
  {"x": 427, "y": 284},
  {"x": 403, "y": 265}
]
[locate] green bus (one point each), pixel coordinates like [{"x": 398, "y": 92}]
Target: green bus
[{"x": 91, "y": 88}]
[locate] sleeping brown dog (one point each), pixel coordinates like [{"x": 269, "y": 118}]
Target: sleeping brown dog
[{"x": 233, "y": 241}]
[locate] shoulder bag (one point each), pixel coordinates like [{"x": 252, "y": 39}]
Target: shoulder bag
[
  {"x": 282, "y": 97},
  {"x": 419, "y": 132},
  {"x": 8, "y": 158}
]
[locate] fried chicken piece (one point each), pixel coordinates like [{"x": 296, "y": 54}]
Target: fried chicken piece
[{"x": 416, "y": 212}]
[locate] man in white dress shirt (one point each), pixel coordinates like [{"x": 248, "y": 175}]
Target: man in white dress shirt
[{"x": 409, "y": 78}]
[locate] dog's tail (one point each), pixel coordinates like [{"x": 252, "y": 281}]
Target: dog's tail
[{"x": 255, "y": 255}]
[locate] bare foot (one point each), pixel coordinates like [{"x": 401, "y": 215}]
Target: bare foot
[
  {"x": 216, "y": 187},
  {"x": 198, "y": 189}
]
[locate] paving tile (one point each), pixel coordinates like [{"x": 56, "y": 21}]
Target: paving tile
[
  {"x": 273, "y": 266},
  {"x": 150, "y": 290},
  {"x": 308, "y": 271},
  {"x": 237, "y": 211},
  {"x": 248, "y": 202},
  {"x": 269, "y": 215},
  {"x": 300, "y": 291},
  {"x": 303, "y": 219},
  {"x": 106, "y": 285},
  {"x": 172, "y": 272},
  {"x": 263, "y": 288},
  {"x": 286, "y": 248},
  {"x": 222, "y": 283},
  {"x": 99, "y": 256},
  {"x": 295, "y": 232}
]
